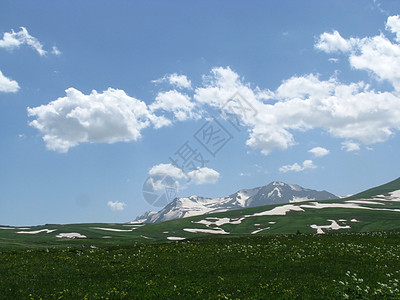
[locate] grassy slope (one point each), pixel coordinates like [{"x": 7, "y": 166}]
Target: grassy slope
[
  {"x": 379, "y": 190},
  {"x": 370, "y": 220}
]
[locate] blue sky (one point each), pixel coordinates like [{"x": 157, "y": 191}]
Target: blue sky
[{"x": 96, "y": 97}]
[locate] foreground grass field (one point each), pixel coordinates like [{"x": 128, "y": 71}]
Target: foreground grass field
[{"x": 332, "y": 266}]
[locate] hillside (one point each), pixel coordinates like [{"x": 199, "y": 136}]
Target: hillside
[
  {"x": 379, "y": 212},
  {"x": 379, "y": 190}
]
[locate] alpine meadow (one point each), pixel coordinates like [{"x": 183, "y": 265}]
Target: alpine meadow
[{"x": 200, "y": 149}]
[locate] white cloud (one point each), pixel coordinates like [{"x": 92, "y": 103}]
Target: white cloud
[
  {"x": 179, "y": 81},
  {"x": 108, "y": 117},
  {"x": 204, "y": 176},
  {"x": 167, "y": 170},
  {"x": 8, "y": 85},
  {"x": 377, "y": 54},
  {"x": 333, "y": 42},
  {"x": 12, "y": 40},
  {"x": 305, "y": 86},
  {"x": 350, "y": 146},
  {"x": 176, "y": 102},
  {"x": 55, "y": 51},
  {"x": 348, "y": 111},
  {"x": 377, "y": 5},
  {"x": 393, "y": 24},
  {"x": 319, "y": 151},
  {"x": 116, "y": 206},
  {"x": 307, "y": 164},
  {"x": 200, "y": 176},
  {"x": 219, "y": 86},
  {"x": 244, "y": 174}
]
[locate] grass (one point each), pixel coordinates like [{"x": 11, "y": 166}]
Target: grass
[
  {"x": 306, "y": 266},
  {"x": 368, "y": 221},
  {"x": 379, "y": 190}
]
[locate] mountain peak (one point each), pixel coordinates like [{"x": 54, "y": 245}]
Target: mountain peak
[
  {"x": 278, "y": 183},
  {"x": 275, "y": 192}
]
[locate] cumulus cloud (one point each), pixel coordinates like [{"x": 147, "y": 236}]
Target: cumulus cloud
[
  {"x": 204, "y": 176},
  {"x": 351, "y": 111},
  {"x": 179, "y": 81},
  {"x": 200, "y": 176},
  {"x": 348, "y": 111},
  {"x": 393, "y": 24},
  {"x": 116, "y": 206},
  {"x": 8, "y": 85},
  {"x": 333, "y": 42},
  {"x": 177, "y": 103},
  {"x": 108, "y": 117},
  {"x": 303, "y": 87},
  {"x": 307, "y": 164},
  {"x": 12, "y": 40},
  {"x": 377, "y": 54},
  {"x": 350, "y": 146},
  {"x": 167, "y": 170},
  {"x": 319, "y": 151}
]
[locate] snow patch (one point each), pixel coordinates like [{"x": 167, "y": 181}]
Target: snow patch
[
  {"x": 70, "y": 235},
  {"x": 243, "y": 195},
  {"x": 278, "y": 211},
  {"x": 259, "y": 230},
  {"x": 365, "y": 202},
  {"x": 37, "y": 231},
  {"x": 300, "y": 199},
  {"x": 344, "y": 205},
  {"x": 278, "y": 192},
  {"x": 395, "y": 194},
  {"x": 212, "y": 231},
  {"x": 354, "y": 220},
  {"x": 219, "y": 221},
  {"x": 392, "y": 196},
  {"x": 175, "y": 238},
  {"x": 113, "y": 229},
  {"x": 295, "y": 187},
  {"x": 334, "y": 226}
]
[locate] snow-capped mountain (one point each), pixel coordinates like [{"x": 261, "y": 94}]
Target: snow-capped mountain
[{"x": 273, "y": 193}]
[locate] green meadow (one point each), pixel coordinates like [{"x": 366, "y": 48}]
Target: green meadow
[
  {"x": 243, "y": 254},
  {"x": 305, "y": 266}
]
